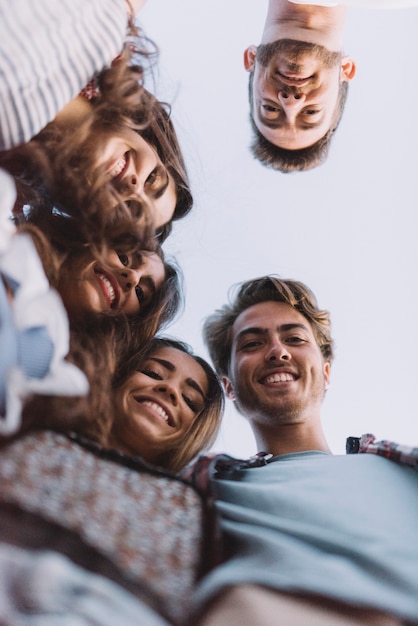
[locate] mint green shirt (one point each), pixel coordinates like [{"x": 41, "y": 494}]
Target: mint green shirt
[{"x": 343, "y": 527}]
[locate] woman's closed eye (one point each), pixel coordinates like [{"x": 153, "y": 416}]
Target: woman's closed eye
[
  {"x": 195, "y": 405},
  {"x": 151, "y": 373},
  {"x": 140, "y": 294}
]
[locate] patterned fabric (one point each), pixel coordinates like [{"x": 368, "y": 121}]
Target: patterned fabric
[
  {"x": 405, "y": 455},
  {"x": 150, "y": 525}
]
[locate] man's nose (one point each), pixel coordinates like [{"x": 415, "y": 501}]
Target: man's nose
[
  {"x": 290, "y": 100},
  {"x": 277, "y": 351}
]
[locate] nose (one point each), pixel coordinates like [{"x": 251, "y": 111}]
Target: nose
[
  {"x": 129, "y": 278},
  {"x": 133, "y": 183},
  {"x": 290, "y": 100},
  {"x": 277, "y": 351},
  {"x": 169, "y": 390}
]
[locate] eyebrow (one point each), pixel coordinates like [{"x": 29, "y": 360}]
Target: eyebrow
[
  {"x": 274, "y": 124},
  {"x": 257, "y": 330},
  {"x": 172, "y": 368}
]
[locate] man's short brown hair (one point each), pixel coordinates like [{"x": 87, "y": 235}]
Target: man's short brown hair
[{"x": 217, "y": 329}]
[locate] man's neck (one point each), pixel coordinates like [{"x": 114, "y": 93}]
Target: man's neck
[
  {"x": 291, "y": 438},
  {"x": 318, "y": 25}
]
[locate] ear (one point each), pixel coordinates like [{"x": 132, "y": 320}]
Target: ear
[
  {"x": 229, "y": 391},
  {"x": 249, "y": 58},
  {"x": 348, "y": 68},
  {"x": 327, "y": 374}
]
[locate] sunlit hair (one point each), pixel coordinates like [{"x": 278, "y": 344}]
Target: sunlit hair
[
  {"x": 202, "y": 432},
  {"x": 287, "y": 161},
  {"x": 123, "y": 103},
  {"x": 217, "y": 330}
]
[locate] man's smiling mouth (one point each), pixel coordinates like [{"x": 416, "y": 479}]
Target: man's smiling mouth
[{"x": 278, "y": 377}]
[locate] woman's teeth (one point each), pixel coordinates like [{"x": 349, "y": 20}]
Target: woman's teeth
[
  {"x": 108, "y": 285},
  {"x": 119, "y": 167}
]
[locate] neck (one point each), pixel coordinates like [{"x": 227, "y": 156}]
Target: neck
[
  {"x": 289, "y": 438},
  {"x": 318, "y": 25}
]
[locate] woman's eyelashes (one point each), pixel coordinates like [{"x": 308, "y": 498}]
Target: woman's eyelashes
[
  {"x": 195, "y": 405},
  {"x": 151, "y": 373},
  {"x": 123, "y": 258},
  {"x": 140, "y": 294}
]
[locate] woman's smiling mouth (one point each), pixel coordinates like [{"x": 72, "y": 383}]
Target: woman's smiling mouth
[
  {"x": 118, "y": 169},
  {"x": 108, "y": 287}
]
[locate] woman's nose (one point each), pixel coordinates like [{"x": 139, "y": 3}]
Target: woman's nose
[
  {"x": 170, "y": 390},
  {"x": 129, "y": 278}
]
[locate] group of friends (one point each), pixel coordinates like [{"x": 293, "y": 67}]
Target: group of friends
[{"x": 92, "y": 177}]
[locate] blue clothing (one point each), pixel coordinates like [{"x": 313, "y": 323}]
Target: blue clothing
[{"x": 342, "y": 527}]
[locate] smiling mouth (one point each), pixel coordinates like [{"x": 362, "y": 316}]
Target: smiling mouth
[
  {"x": 157, "y": 408},
  {"x": 293, "y": 80},
  {"x": 107, "y": 287},
  {"x": 278, "y": 377},
  {"x": 118, "y": 169}
]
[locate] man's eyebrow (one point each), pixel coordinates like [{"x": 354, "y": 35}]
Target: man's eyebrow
[
  {"x": 256, "y": 330},
  {"x": 274, "y": 124},
  {"x": 171, "y": 367}
]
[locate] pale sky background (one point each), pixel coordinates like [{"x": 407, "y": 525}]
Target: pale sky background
[{"x": 348, "y": 228}]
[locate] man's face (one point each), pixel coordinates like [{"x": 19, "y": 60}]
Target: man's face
[
  {"x": 295, "y": 90},
  {"x": 277, "y": 372}
]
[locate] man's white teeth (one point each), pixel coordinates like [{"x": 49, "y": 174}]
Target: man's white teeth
[
  {"x": 157, "y": 408},
  {"x": 118, "y": 168},
  {"x": 283, "y": 377},
  {"x": 109, "y": 288}
]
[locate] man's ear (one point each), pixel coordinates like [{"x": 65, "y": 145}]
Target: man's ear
[
  {"x": 229, "y": 391},
  {"x": 249, "y": 58},
  {"x": 327, "y": 374},
  {"x": 348, "y": 68}
]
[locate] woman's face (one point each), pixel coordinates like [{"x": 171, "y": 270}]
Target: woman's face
[
  {"x": 156, "y": 406},
  {"x": 90, "y": 286},
  {"x": 137, "y": 173}
]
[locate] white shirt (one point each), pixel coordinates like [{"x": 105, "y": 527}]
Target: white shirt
[{"x": 49, "y": 50}]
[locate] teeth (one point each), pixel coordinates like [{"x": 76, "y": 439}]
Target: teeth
[
  {"x": 279, "y": 378},
  {"x": 118, "y": 168},
  {"x": 157, "y": 408},
  {"x": 108, "y": 285}
]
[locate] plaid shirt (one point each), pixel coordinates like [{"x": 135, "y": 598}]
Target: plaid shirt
[{"x": 205, "y": 467}]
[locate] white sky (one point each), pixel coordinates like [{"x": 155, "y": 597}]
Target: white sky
[{"x": 348, "y": 229}]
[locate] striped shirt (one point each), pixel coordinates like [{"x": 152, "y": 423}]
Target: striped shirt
[{"x": 49, "y": 50}]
